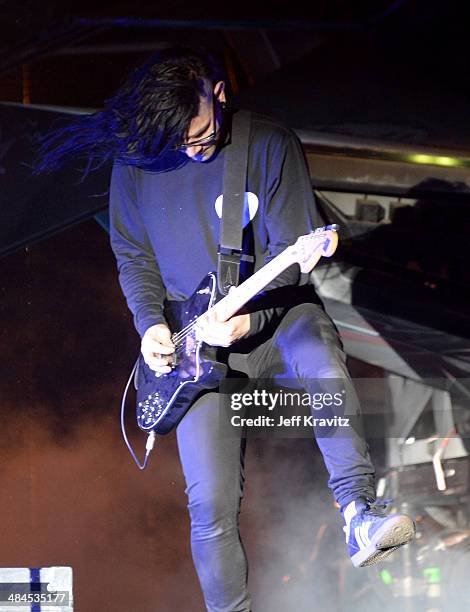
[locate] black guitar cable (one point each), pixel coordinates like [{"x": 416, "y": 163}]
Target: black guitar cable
[{"x": 151, "y": 436}]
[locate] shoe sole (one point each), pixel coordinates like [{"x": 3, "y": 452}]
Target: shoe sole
[{"x": 394, "y": 534}]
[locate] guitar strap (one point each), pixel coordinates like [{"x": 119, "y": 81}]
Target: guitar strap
[{"x": 231, "y": 222}]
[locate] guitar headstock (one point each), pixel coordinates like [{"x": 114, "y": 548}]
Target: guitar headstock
[{"x": 320, "y": 243}]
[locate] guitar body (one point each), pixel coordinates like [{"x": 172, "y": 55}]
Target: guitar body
[{"x": 163, "y": 401}]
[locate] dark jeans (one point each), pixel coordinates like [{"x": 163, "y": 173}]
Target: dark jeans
[{"x": 305, "y": 346}]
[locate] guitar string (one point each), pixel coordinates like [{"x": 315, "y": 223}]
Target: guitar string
[{"x": 183, "y": 332}]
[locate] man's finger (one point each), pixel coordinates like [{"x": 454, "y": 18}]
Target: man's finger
[
  {"x": 156, "y": 346},
  {"x": 157, "y": 358},
  {"x": 162, "y": 349},
  {"x": 157, "y": 364}
]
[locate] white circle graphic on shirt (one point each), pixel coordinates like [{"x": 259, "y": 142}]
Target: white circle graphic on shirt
[{"x": 249, "y": 210}]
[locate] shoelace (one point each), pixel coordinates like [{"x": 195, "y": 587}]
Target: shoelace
[{"x": 377, "y": 507}]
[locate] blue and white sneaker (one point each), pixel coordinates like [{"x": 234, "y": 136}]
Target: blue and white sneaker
[{"x": 372, "y": 534}]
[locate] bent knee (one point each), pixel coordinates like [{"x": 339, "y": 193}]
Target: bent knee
[
  {"x": 212, "y": 501},
  {"x": 213, "y": 516}
]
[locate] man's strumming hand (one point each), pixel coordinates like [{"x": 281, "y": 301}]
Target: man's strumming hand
[{"x": 157, "y": 348}]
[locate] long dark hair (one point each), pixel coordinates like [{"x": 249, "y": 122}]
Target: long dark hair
[{"x": 145, "y": 117}]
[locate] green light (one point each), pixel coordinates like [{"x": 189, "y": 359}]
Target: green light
[
  {"x": 434, "y": 160},
  {"x": 422, "y": 159},
  {"x": 432, "y": 574},
  {"x": 447, "y": 161},
  {"x": 386, "y": 576}
]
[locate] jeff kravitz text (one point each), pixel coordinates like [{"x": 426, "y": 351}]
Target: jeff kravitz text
[{"x": 270, "y": 401}]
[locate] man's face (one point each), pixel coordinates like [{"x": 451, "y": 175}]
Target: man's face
[{"x": 205, "y": 123}]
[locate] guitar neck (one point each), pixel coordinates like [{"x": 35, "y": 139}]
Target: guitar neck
[{"x": 242, "y": 294}]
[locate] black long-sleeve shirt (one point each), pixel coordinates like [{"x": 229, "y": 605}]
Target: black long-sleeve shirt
[{"x": 165, "y": 227}]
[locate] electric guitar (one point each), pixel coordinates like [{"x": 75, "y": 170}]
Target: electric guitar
[{"x": 162, "y": 401}]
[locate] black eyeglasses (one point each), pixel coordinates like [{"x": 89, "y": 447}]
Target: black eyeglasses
[{"x": 207, "y": 140}]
